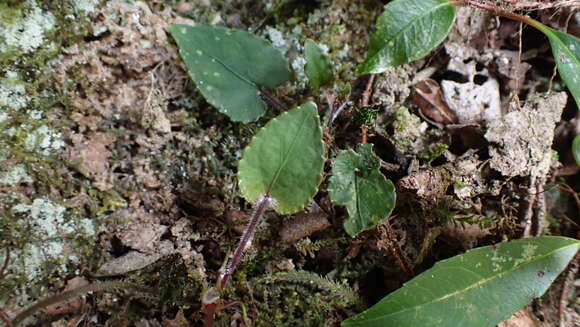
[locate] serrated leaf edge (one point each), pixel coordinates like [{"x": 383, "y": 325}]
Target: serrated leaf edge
[
  {"x": 314, "y": 190},
  {"x": 331, "y": 188}
]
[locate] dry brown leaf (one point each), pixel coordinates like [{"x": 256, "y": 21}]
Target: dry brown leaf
[{"x": 428, "y": 97}]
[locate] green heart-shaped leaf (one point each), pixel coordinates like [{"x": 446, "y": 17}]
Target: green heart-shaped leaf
[
  {"x": 566, "y": 51},
  {"x": 407, "y": 30},
  {"x": 358, "y": 184},
  {"x": 229, "y": 66},
  {"x": 285, "y": 160},
  {"x": 318, "y": 68},
  {"x": 478, "y": 289}
]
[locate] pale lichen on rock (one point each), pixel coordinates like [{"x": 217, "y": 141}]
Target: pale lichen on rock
[
  {"x": 13, "y": 94},
  {"x": 16, "y": 175},
  {"x": 45, "y": 221},
  {"x": 28, "y": 32}
]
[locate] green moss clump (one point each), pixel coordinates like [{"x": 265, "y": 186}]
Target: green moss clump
[{"x": 406, "y": 129}]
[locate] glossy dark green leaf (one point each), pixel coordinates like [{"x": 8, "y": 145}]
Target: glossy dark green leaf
[
  {"x": 480, "y": 288},
  {"x": 566, "y": 51},
  {"x": 285, "y": 160},
  {"x": 407, "y": 30},
  {"x": 229, "y": 66},
  {"x": 318, "y": 68},
  {"x": 358, "y": 184},
  {"x": 576, "y": 149}
]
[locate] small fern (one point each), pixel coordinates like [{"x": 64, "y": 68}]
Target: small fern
[
  {"x": 308, "y": 248},
  {"x": 341, "y": 292}
]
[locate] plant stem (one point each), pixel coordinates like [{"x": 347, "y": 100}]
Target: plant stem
[
  {"x": 497, "y": 11},
  {"x": 245, "y": 241},
  {"x": 272, "y": 100}
]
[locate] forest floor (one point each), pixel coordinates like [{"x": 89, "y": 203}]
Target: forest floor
[{"x": 115, "y": 170}]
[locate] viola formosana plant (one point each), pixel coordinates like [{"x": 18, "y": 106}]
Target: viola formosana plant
[
  {"x": 408, "y": 185},
  {"x": 282, "y": 166}
]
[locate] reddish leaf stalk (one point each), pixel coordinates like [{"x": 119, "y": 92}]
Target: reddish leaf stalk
[
  {"x": 272, "y": 100},
  {"x": 246, "y": 240}
]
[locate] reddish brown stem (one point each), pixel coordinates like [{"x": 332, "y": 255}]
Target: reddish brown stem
[
  {"x": 209, "y": 313},
  {"x": 396, "y": 250},
  {"x": 368, "y": 91},
  {"x": 364, "y": 134},
  {"x": 245, "y": 241},
  {"x": 272, "y": 100},
  {"x": 496, "y": 11}
]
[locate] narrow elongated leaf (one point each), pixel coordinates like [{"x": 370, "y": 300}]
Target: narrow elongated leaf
[
  {"x": 566, "y": 51},
  {"x": 358, "y": 184},
  {"x": 407, "y": 30},
  {"x": 318, "y": 68},
  {"x": 285, "y": 160},
  {"x": 576, "y": 149},
  {"x": 229, "y": 66},
  {"x": 477, "y": 289}
]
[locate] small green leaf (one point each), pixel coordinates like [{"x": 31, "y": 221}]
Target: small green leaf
[
  {"x": 229, "y": 66},
  {"x": 566, "y": 51},
  {"x": 285, "y": 160},
  {"x": 478, "y": 289},
  {"x": 407, "y": 30},
  {"x": 358, "y": 184},
  {"x": 318, "y": 68},
  {"x": 576, "y": 149}
]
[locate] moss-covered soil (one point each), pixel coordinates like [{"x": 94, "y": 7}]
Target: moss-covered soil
[{"x": 114, "y": 170}]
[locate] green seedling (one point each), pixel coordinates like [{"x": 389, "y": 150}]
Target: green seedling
[
  {"x": 281, "y": 170},
  {"x": 358, "y": 184}
]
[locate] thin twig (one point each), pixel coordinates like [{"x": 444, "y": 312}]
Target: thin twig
[
  {"x": 495, "y": 10},
  {"x": 6, "y": 262},
  {"x": 519, "y": 64},
  {"x": 539, "y": 210},
  {"x": 338, "y": 111},
  {"x": 67, "y": 295},
  {"x": 5, "y": 318},
  {"x": 538, "y": 5},
  {"x": 526, "y": 208},
  {"x": 395, "y": 249},
  {"x": 566, "y": 188},
  {"x": 571, "y": 272}
]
